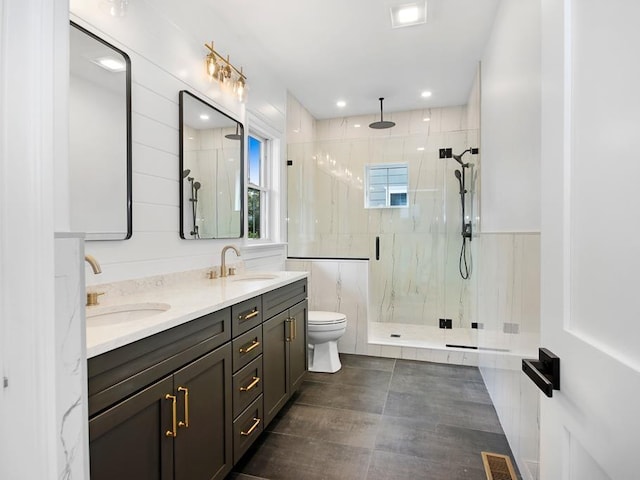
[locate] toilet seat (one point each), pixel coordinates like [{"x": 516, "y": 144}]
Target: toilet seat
[{"x": 316, "y": 317}]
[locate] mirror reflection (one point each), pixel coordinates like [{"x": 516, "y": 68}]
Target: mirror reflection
[
  {"x": 99, "y": 137},
  {"x": 211, "y": 171}
]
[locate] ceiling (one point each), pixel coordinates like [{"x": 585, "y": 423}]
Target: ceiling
[{"x": 330, "y": 50}]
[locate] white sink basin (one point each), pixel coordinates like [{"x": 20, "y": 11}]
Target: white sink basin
[
  {"x": 252, "y": 277},
  {"x": 110, "y": 315}
]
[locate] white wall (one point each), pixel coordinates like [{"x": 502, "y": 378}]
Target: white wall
[
  {"x": 510, "y": 134},
  {"x": 165, "y": 60},
  {"x": 33, "y": 136},
  {"x": 508, "y": 267}
]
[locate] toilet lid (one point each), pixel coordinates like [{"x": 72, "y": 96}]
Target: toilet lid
[{"x": 323, "y": 318}]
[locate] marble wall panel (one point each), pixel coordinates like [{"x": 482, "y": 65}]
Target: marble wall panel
[
  {"x": 71, "y": 376},
  {"x": 508, "y": 301},
  {"x": 339, "y": 286}
]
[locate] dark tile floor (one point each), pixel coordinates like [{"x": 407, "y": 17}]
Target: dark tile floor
[{"x": 378, "y": 419}]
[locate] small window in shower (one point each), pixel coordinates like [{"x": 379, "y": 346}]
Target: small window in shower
[{"x": 386, "y": 185}]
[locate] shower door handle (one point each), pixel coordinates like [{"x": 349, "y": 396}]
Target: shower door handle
[{"x": 377, "y": 248}]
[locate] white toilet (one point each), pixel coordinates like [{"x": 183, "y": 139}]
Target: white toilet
[{"x": 323, "y": 331}]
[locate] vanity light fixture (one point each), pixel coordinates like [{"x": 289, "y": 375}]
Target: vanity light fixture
[
  {"x": 228, "y": 76},
  {"x": 409, "y": 14}
]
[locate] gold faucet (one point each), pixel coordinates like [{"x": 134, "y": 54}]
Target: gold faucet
[
  {"x": 95, "y": 266},
  {"x": 92, "y": 297},
  {"x": 223, "y": 265}
]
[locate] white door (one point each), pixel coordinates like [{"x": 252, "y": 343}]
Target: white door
[{"x": 590, "y": 429}]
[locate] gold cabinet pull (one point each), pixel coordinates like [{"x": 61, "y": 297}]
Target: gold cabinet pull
[
  {"x": 254, "y": 344},
  {"x": 254, "y": 313},
  {"x": 256, "y": 422},
  {"x": 174, "y": 431},
  {"x": 185, "y": 423},
  {"x": 256, "y": 381},
  {"x": 294, "y": 329}
]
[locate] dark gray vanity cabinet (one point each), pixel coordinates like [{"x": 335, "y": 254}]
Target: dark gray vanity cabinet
[
  {"x": 285, "y": 345},
  {"x": 179, "y": 427},
  {"x": 187, "y": 403},
  {"x": 129, "y": 441}
]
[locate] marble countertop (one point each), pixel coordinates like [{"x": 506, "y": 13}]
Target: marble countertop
[{"x": 188, "y": 301}]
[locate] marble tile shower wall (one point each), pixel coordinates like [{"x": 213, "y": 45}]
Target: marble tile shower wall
[
  {"x": 509, "y": 309},
  {"x": 416, "y": 280}
]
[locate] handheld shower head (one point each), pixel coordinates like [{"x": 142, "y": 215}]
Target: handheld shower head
[
  {"x": 458, "y": 175},
  {"x": 196, "y": 185}
]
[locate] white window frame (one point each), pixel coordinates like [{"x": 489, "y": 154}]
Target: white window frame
[
  {"x": 270, "y": 202},
  {"x": 389, "y": 189}
]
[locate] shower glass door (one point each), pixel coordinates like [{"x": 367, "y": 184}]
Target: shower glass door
[{"x": 413, "y": 250}]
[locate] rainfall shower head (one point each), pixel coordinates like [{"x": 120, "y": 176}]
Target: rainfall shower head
[
  {"x": 382, "y": 123},
  {"x": 234, "y": 136},
  {"x": 185, "y": 173}
]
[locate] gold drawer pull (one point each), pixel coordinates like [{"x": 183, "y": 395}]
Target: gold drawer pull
[
  {"x": 186, "y": 407},
  {"x": 254, "y": 313},
  {"x": 254, "y": 344},
  {"x": 256, "y": 381},
  {"x": 256, "y": 422},
  {"x": 173, "y": 432}
]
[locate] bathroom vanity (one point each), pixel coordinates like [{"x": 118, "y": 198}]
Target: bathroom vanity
[{"x": 187, "y": 400}]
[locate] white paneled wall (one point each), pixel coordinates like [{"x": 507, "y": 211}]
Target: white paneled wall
[{"x": 165, "y": 60}]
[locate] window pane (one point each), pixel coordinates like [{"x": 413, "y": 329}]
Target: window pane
[
  {"x": 255, "y": 158},
  {"x": 386, "y": 185},
  {"x": 253, "y": 213}
]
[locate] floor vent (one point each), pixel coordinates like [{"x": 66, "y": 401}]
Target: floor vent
[
  {"x": 395, "y": 335},
  {"x": 498, "y": 467}
]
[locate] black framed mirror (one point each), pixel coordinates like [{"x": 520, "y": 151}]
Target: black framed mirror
[
  {"x": 100, "y": 182},
  {"x": 211, "y": 171}
]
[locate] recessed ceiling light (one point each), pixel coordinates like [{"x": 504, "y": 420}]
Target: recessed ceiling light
[
  {"x": 426, "y": 119},
  {"x": 420, "y": 149},
  {"x": 341, "y": 103},
  {"x": 204, "y": 116},
  {"x": 111, "y": 64},
  {"x": 295, "y": 130},
  {"x": 409, "y": 14},
  {"x": 357, "y": 125},
  {"x": 425, "y": 94}
]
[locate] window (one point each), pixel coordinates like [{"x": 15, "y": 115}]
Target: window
[
  {"x": 386, "y": 185},
  {"x": 257, "y": 187}
]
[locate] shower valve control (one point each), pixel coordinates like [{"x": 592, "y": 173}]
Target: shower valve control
[
  {"x": 466, "y": 232},
  {"x": 446, "y": 153}
]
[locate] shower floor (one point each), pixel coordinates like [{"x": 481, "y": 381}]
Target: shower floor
[{"x": 419, "y": 342}]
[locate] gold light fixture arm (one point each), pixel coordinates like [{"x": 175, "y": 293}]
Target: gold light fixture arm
[{"x": 226, "y": 61}]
